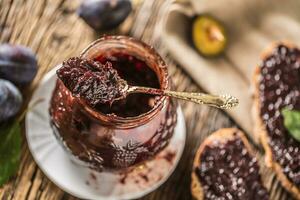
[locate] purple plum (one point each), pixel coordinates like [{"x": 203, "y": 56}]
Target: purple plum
[
  {"x": 10, "y": 100},
  {"x": 18, "y": 64},
  {"x": 104, "y": 14}
]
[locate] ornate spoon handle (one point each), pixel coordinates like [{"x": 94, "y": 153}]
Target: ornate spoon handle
[{"x": 219, "y": 101}]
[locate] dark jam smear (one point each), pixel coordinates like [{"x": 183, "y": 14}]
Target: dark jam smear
[
  {"x": 280, "y": 87},
  {"x": 92, "y": 81},
  {"x": 228, "y": 171},
  {"x": 135, "y": 72}
]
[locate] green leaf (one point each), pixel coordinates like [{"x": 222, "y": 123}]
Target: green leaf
[
  {"x": 10, "y": 150},
  {"x": 10, "y": 146},
  {"x": 292, "y": 122}
]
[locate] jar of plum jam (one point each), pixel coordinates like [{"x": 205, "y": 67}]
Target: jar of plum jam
[{"x": 127, "y": 132}]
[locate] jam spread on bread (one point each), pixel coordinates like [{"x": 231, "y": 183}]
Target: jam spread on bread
[
  {"x": 279, "y": 87},
  {"x": 228, "y": 171}
]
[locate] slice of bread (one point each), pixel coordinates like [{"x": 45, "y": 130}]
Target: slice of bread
[
  {"x": 261, "y": 132},
  {"x": 225, "y": 137}
]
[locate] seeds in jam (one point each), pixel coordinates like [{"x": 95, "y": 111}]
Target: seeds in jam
[
  {"x": 279, "y": 87},
  {"x": 92, "y": 81},
  {"x": 228, "y": 171}
]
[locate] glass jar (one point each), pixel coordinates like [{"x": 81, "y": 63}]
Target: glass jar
[{"x": 108, "y": 141}]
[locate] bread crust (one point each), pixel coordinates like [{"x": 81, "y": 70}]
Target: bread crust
[
  {"x": 261, "y": 132},
  {"x": 222, "y": 135}
]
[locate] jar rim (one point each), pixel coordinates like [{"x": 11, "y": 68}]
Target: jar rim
[{"x": 129, "y": 122}]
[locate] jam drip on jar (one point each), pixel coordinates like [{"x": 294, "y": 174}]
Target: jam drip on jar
[
  {"x": 92, "y": 81},
  {"x": 228, "y": 171},
  {"x": 279, "y": 88}
]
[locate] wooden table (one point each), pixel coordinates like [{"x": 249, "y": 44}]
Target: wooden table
[{"x": 53, "y": 30}]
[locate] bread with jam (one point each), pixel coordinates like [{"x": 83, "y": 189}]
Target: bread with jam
[
  {"x": 225, "y": 168},
  {"x": 277, "y": 87}
]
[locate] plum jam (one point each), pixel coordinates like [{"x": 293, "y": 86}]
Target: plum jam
[
  {"x": 279, "y": 87},
  {"x": 91, "y": 81},
  {"x": 124, "y": 133},
  {"x": 135, "y": 72},
  {"x": 229, "y": 171}
]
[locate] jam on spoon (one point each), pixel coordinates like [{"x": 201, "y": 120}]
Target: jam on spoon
[
  {"x": 97, "y": 83},
  {"x": 92, "y": 81}
]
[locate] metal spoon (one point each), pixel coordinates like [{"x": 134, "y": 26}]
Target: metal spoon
[{"x": 219, "y": 101}]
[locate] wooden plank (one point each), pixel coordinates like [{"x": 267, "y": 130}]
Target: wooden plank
[{"x": 54, "y": 32}]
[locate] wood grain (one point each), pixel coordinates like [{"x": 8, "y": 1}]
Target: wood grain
[{"x": 53, "y": 30}]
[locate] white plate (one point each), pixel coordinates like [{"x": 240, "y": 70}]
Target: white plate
[{"x": 86, "y": 183}]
